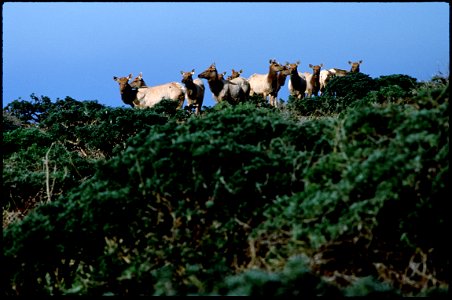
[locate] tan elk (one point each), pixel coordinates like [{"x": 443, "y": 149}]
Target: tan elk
[
  {"x": 232, "y": 91},
  {"x": 325, "y": 77},
  {"x": 141, "y": 95},
  {"x": 194, "y": 90},
  {"x": 266, "y": 84}
]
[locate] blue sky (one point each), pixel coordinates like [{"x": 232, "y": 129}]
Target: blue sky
[{"x": 75, "y": 49}]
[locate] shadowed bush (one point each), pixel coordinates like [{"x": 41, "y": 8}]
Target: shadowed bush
[{"x": 163, "y": 202}]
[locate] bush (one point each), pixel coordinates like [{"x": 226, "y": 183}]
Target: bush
[
  {"x": 384, "y": 185},
  {"x": 351, "y": 88},
  {"x": 163, "y": 202}
]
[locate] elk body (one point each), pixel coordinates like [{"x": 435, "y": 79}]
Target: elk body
[
  {"x": 194, "y": 90},
  {"x": 232, "y": 91},
  {"x": 313, "y": 80},
  {"x": 281, "y": 80},
  {"x": 128, "y": 94},
  {"x": 148, "y": 96},
  {"x": 297, "y": 82},
  {"x": 266, "y": 84}
]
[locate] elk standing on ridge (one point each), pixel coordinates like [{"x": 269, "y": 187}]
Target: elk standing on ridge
[
  {"x": 137, "y": 94},
  {"x": 266, "y": 84},
  {"x": 325, "y": 77},
  {"x": 297, "y": 82},
  {"x": 194, "y": 90},
  {"x": 281, "y": 80},
  {"x": 313, "y": 80},
  {"x": 233, "y": 91},
  {"x": 128, "y": 94}
]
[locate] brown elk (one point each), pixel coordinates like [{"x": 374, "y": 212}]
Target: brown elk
[
  {"x": 355, "y": 66},
  {"x": 297, "y": 82},
  {"x": 194, "y": 90},
  {"x": 232, "y": 91},
  {"x": 282, "y": 75},
  {"x": 128, "y": 94}
]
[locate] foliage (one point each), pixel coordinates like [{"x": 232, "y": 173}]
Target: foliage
[
  {"x": 164, "y": 202},
  {"x": 29, "y": 112},
  {"x": 351, "y": 88},
  {"x": 384, "y": 184}
]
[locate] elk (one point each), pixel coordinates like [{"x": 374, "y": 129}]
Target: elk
[
  {"x": 338, "y": 72},
  {"x": 194, "y": 90},
  {"x": 232, "y": 91},
  {"x": 128, "y": 94},
  {"x": 142, "y": 96},
  {"x": 325, "y": 77},
  {"x": 313, "y": 80},
  {"x": 266, "y": 84},
  {"x": 355, "y": 66},
  {"x": 297, "y": 82},
  {"x": 282, "y": 75}
]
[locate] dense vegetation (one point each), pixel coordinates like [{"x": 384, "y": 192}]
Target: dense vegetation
[{"x": 339, "y": 195}]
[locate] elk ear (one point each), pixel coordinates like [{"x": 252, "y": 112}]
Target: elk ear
[
  {"x": 310, "y": 65},
  {"x": 241, "y": 71},
  {"x": 193, "y": 71},
  {"x": 321, "y": 65},
  {"x": 360, "y": 62},
  {"x": 182, "y": 72},
  {"x": 298, "y": 62},
  {"x": 115, "y": 78},
  {"x": 349, "y": 62},
  {"x": 130, "y": 76}
]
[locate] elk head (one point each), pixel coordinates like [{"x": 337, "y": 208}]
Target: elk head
[
  {"x": 210, "y": 73},
  {"x": 187, "y": 77},
  {"x": 355, "y": 66},
  {"x": 316, "y": 69},
  {"x": 138, "y": 82}
]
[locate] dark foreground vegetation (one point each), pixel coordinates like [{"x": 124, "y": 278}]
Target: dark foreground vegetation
[{"x": 340, "y": 195}]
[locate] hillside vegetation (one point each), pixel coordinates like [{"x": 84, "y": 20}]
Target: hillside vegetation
[{"x": 345, "y": 194}]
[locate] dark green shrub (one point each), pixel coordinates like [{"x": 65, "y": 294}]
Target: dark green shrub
[
  {"x": 348, "y": 89},
  {"x": 10, "y": 122},
  {"x": 175, "y": 194},
  {"x": 295, "y": 279},
  {"x": 178, "y": 204},
  {"x": 405, "y": 82},
  {"x": 29, "y": 112},
  {"x": 387, "y": 179}
]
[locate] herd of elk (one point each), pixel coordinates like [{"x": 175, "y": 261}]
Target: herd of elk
[{"x": 234, "y": 89}]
